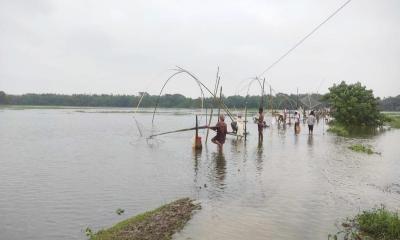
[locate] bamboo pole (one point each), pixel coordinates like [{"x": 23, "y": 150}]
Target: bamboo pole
[
  {"x": 166, "y": 82},
  {"x": 209, "y": 122},
  {"x": 245, "y": 123},
  {"x": 218, "y": 78},
  {"x": 208, "y": 90},
  {"x": 180, "y": 130},
  {"x": 197, "y": 129},
  {"x": 220, "y": 96},
  {"x": 136, "y": 121},
  {"x": 180, "y": 70},
  {"x": 262, "y": 94},
  {"x": 270, "y": 99}
]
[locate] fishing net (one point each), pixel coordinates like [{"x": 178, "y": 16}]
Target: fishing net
[{"x": 310, "y": 101}]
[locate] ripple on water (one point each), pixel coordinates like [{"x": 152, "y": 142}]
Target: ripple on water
[{"x": 62, "y": 172}]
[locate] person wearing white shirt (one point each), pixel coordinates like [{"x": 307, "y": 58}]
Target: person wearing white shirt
[
  {"x": 310, "y": 122},
  {"x": 296, "y": 122}
]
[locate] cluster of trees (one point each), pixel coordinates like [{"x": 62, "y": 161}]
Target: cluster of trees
[
  {"x": 278, "y": 101},
  {"x": 390, "y": 103}
]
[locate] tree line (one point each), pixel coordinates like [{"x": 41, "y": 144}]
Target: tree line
[{"x": 277, "y": 101}]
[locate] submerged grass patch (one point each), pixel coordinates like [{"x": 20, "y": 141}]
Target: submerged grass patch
[
  {"x": 352, "y": 131},
  {"x": 338, "y": 129},
  {"x": 378, "y": 223},
  {"x": 159, "y": 224},
  {"x": 361, "y": 148}
]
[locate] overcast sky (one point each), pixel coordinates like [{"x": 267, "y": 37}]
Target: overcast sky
[{"x": 123, "y": 47}]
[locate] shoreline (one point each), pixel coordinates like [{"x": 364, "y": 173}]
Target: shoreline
[{"x": 158, "y": 224}]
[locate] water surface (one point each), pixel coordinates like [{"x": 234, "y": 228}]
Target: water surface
[{"x": 65, "y": 169}]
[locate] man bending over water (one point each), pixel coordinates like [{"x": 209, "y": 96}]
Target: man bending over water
[{"x": 221, "y": 129}]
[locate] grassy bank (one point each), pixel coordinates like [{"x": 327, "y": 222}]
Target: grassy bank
[
  {"x": 378, "y": 223},
  {"x": 392, "y": 120},
  {"x": 159, "y": 224}
]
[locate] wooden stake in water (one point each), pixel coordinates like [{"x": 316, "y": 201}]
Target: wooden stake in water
[
  {"x": 245, "y": 123},
  {"x": 197, "y": 140}
]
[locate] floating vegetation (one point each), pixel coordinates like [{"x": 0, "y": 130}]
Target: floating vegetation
[
  {"x": 361, "y": 148},
  {"x": 159, "y": 224},
  {"x": 89, "y": 232},
  {"x": 378, "y": 223},
  {"x": 119, "y": 211}
]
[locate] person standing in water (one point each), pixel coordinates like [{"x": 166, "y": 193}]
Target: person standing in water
[
  {"x": 260, "y": 124},
  {"x": 310, "y": 122},
  {"x": 240, "y": 127},
  {"x": 296, "y": 122},
  {"x": 221, "y": 130}
]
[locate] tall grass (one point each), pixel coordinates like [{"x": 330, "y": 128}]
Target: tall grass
[{"x": 378, "y": 224}]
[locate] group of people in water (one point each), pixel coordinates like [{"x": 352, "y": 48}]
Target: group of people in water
[{"x": 239, "y": 126}]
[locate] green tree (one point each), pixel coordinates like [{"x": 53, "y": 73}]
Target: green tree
[{"x": 354, "y": 106}]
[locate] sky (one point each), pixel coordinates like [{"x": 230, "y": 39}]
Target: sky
[{"x": 126, "y": 47}]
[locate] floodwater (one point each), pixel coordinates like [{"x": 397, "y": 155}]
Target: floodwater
[{"x": 63, "y": 170}]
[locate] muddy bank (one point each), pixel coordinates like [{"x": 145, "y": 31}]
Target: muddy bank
[{"x": 159, "y": 224}]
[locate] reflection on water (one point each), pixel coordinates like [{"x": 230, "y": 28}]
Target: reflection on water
[
  {"x": 219, "y": 169},
  {"x": 66, "y": 170},
  {"x": 296, "y": 139},
  {"x": 196, "y": 159},
  {"x": 310, "y": 140},
  {"x": 259, "y": 156}
]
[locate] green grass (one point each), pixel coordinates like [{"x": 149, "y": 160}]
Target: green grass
[
  {"x": 392, "y": 120},
  {"x": 378, "y": 224},
  {"x": 361, "y": 148},
  {"x": 110, "y": 233},
  {"x": 158, "y": 224}
]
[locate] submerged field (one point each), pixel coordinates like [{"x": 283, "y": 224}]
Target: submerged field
[{"x": 64, "y": 170}]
